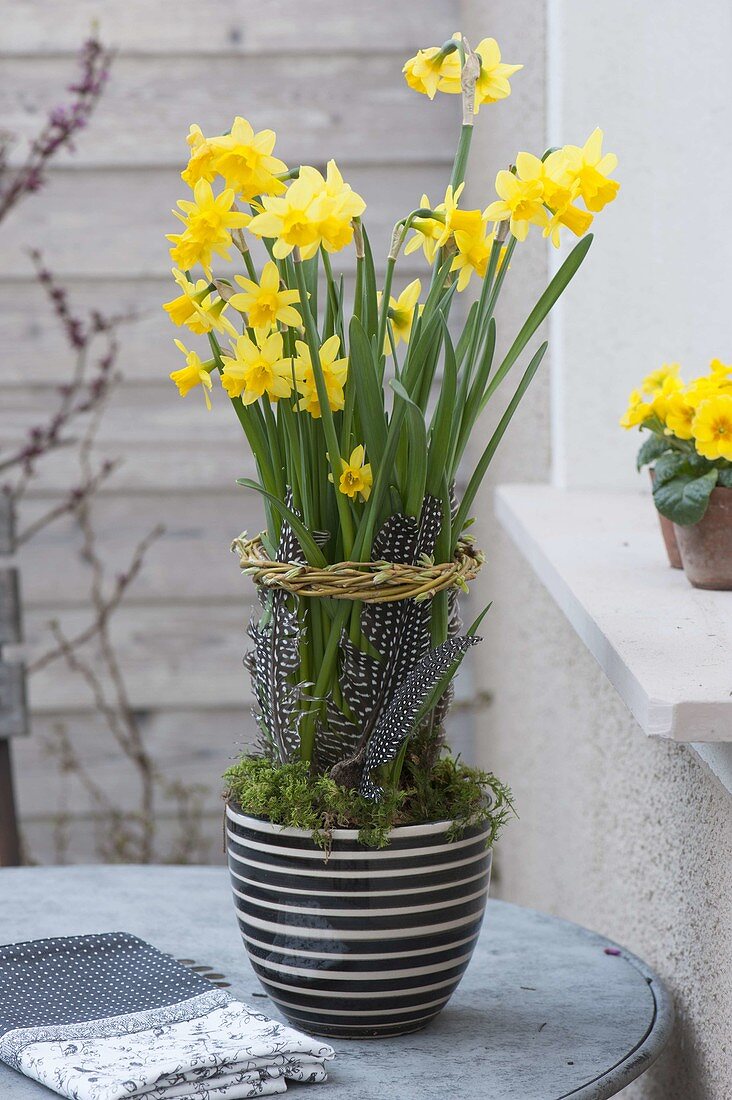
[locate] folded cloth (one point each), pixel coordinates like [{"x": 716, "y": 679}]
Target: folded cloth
[{"x": 109, "y": 1017}]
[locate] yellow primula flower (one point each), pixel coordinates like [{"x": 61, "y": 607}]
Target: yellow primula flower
[
  {"x": 661, "y": 397},
  {"x": 492, "y": 83},
  {"x": 194, "y": 373},
  {"x": 712, "y": 427},
  {"x": 257, "y": 368},
  {"x": 638, "y": 411},
  {"x": 654, "y": 382},
  {"x": 591, "y": 169},
  {"x": 208, "y": 222},
  {"x": 679, "y": 415},
  {"x": 265, "y": 303},
  {"x": 520, "y": 201},
  {"x": 401, "y": 314},
  {"x": 334, "y": 370},
  {"x": 430, "y": 68},
  {"x": 718, "y": 369},
  {"x": 356, "y": 479},
  {"x": 196, "y": 307},
  {"x": 244, "y": 158}
]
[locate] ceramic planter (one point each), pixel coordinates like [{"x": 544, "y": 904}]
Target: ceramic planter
[
  {"x": 669, "y": 535},
  {"x": 706, "y": 547},
  {"x": 365, "y": 943}
]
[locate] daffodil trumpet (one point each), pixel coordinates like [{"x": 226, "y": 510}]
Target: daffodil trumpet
[{"x": 358, "y": 406}]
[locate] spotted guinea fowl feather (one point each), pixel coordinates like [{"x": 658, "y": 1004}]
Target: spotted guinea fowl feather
[
  {"x": 274, "y": 661},
  {"x": 398, "y": 720},
  {"x": 398, "y": 631}
]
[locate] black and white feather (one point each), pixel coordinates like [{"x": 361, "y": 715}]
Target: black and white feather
[{"x": 398, "y": 720}]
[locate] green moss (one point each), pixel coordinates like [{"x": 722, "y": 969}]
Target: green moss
[{"x": 288, "y": 794}]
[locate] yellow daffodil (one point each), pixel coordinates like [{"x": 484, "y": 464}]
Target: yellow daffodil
[
  {"x": 194, "y": 373},
  {"x": 638, "y": 411},
  {"x": 334, "y": 370},
  {"x": 473, "y": 253},
  {"x": 356, "y": 479},
  {"x": 468, "y": 221},
  {"x": 313, "y": 211},
  {"x": 202, "y": 161},
  {"x": 591, "y": 169},
  {"x": 560, "y": 190},
  {"x": 257, "y": 368},
  {"x": 430, "y": 68},
  {"x": 208, "y": 222},
  {"x": 712, "y": 427},
  {"x": 197, "y": 308},
  {"x": 520, "y": 202},
  {"x": 339, "y": 204},
  {"x": 679, "y": 415},
  {"x": 492, "y": 83},
  {"x": 427, "y": 233},
  {"x": 292, "y": 218},
  {"x": 244, "y": 158},
  {"x": 653, "y": 382},
  {"x": 401, "y": 313},
  {"x": 265, "y": 303}
]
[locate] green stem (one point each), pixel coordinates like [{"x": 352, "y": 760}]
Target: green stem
[{"x": 331, "y": 438}]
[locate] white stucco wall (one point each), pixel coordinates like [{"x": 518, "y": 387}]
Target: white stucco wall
[{"x": 629, "y": 835}]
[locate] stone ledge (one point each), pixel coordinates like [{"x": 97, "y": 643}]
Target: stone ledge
[{"x": 665, "y": 646}]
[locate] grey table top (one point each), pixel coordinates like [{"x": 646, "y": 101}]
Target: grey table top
[{"x": 543, "y": 1012}]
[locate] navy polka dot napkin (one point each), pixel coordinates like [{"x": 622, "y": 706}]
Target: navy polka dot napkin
[{"x": 109, "y": 1017}]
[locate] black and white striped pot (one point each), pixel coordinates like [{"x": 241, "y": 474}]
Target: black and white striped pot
[{"x": 368, "y": 942}]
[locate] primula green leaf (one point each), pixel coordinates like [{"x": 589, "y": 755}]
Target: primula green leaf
[
  {"x": 725, "y": 477},
  {"x": 539, "y": 313},
  {"x": 684, "y": 498},
  {"x": 310, "y": 548},
  {"x": 652, "y": 448}
]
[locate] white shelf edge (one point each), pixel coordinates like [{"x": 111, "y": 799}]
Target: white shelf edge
[{"x": 676, "y": 720}]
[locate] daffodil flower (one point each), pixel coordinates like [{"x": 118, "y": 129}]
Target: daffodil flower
[
  {"x": 197, "y": 308},
  {"x": 265, "y": 303},
  {"x": 244, "y": 158},
  {"x": 257, "y": 368},
  {"x": 208, "y": 222},
  {"x": 591, "y": 170},
  {"x": 492, "y": 83},
  {"x": 401, "y": 314},
  {"x": 334, "y": 372},
  {"x": 520, "y": 202},
  {"x": 430, "y": 69},
  {"x": 194, "y": 373},
  {"x": 356, "y": 479}
]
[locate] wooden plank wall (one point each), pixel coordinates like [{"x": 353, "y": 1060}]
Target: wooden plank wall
[{"x": 326, "y": 76}]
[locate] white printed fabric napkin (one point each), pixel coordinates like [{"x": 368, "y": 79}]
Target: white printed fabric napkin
[{"x": 109, "y": 1017}]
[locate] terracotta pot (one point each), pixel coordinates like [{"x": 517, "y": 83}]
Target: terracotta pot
[
  {"x": 366, "y": 942},
  {"x": 706, "y": 547},
  {"x": 669, "y": 535}
]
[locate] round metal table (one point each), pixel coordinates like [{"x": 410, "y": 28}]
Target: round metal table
[{"x": 546, "y": 1009}]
